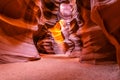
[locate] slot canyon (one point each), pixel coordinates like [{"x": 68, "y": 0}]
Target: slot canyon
[{"x": 59, "y": 40}]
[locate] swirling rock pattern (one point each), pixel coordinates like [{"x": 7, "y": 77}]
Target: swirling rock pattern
[
  {"x": 50, "y": 20},
  {"x": 26, "y": 27},
  {"x": 17, "y": 24},
  {"x": 108, "y": 16},
  {"x": 96, "y": 46}
]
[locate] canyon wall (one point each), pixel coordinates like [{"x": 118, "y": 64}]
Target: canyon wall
[
  {"x": 31, "y": 27},
  {"x": 17, "y": 24}
]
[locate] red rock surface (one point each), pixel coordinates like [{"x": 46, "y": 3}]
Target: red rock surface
[{"x": 97, "y": 27}]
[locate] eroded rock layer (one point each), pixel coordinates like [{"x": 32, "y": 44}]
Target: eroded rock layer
[
  {"x": 96, "y": 46},
  {"x": 16, "y": 31},
  {"x": 90, "y": 30},
  {"x": 106, "y": 14}
]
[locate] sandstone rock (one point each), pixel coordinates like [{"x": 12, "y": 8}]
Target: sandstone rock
[
  {"x": 107, "y": 17},
  {"x": 50, "y": 21},
  {"x": 96, "y": 46},
  {"x": 16, "y": 42}
]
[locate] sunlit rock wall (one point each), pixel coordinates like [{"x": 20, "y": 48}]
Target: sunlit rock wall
[
  {"x": 17, "y": 24},
  {"x": 91, "y": 43},
  {"x": 30, "y": 26},
  {"x": 51, "y": 38},
  {"x": 43, "y": 37}
]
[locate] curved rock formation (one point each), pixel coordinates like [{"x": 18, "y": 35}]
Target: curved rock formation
[
  {"x": 42, "y": 37},
  {"x": 106, "y": 14},
  {"x": 17, "y": 24},
  {"x": 49, "y": 27},
  {"x": 96, "y": 46},
  {"x": 34, "y": 22}
]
